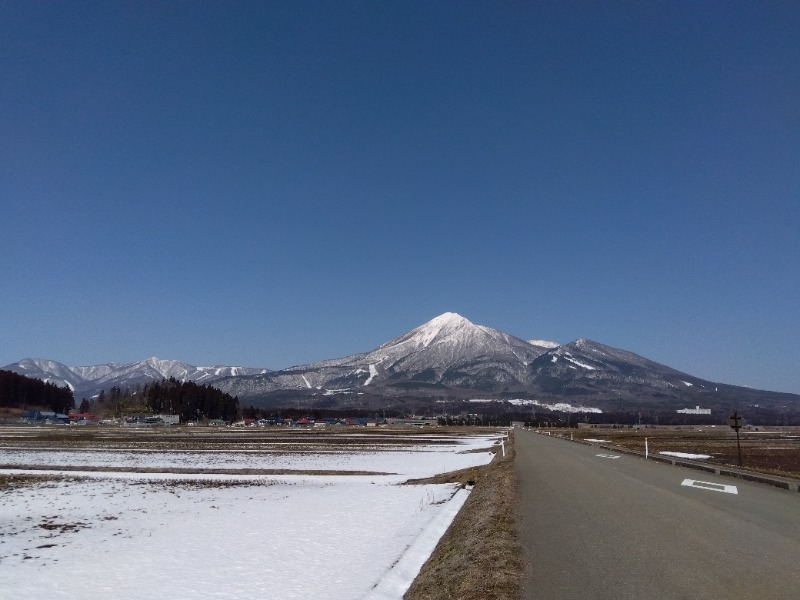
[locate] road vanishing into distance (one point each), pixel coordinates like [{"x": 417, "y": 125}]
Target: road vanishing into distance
[{"x": 609, "y": 526}]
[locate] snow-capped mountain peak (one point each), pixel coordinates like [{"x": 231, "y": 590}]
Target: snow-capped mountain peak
[
  {"x": 544, "y": 344},
  {"x": 444, "y": 324}
]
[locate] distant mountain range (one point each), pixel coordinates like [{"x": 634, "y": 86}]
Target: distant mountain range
[
  {"x": 447, "y": 358},
  {"x": 86, "y": 382}
]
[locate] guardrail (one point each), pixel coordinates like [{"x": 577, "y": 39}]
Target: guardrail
[{"x": 773, "y": 480}]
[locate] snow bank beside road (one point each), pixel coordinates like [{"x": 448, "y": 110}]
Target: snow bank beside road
[
  {"x": 687, "y": 455},
  {"x": 396, "y": 583}
]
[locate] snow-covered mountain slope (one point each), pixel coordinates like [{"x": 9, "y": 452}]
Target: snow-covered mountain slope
[
  {"x": 448, "y": 351},
  {"x": 587, "y": 363},
  {"x": 442, "y": 346},
  {"x": 48, "y": 371},
  {"x": 89, "y": 380}
]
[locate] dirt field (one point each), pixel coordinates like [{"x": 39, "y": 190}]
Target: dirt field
[
  {"x": 218, "y": 438},
  {"x": 773, "y": 450}
]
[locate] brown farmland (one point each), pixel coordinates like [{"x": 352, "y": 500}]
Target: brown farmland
[{"x": 772, "y": 450}]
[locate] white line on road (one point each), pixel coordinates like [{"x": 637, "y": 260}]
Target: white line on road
[
  {"x": 608, "y": 455},
  {"x": 714, "y": 487}
]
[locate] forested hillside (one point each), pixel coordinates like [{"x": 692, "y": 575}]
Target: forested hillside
[{"x": 18, "y": 391}]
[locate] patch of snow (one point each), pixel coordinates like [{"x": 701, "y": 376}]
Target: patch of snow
[
  {"x": 564, "y": 407},
  {"x": 580, "y": 364},
  {"x": 373, "y": 373},
  {"x": 558, "y": 406},
  {"x": 337, "y": 391},
  {"x": 599, "y": 441},
  {"x": 394, "y": 585},
  {"x": 687, "y": 455},
  {"x": 58, "y": 383},
  {"x": 544, "y": 344},
  {"x": 688, "y": 384},
  {"x": 308, "y": 385}
]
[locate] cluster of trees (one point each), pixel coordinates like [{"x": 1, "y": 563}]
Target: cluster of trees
[
  {"x": 18, "y": 391},
  {"x": 168, "y": 396},
  {"x": 190, "y": 400}
]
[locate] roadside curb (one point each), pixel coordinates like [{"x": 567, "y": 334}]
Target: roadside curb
[{"x": 793, "y": 485}]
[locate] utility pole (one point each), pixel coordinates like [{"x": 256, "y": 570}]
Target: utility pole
[{"x": 736, "y": 421}]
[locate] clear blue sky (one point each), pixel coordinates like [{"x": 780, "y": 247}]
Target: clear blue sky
[{"x": 273, "y": 183}]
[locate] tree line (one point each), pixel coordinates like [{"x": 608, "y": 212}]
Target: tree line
[
  {"x": 168, "y": 396},
  {"x": 18, "y": 391},
  {"x": 190, "y": 400}
]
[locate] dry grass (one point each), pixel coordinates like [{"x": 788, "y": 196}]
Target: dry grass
[
  {"x": 479, "y": 556},
  {"x": 9, "y": 481}
]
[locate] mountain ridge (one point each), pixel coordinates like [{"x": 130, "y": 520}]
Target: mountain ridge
[
  {"x": 448, "y": 356},
  {"x": 91, "y": 379}
]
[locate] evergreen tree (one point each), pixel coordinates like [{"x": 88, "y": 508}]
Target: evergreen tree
[{"x": 18, "y": 391}]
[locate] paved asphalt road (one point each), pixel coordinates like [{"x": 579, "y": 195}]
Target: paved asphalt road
[{"x": 623, "y": 528}]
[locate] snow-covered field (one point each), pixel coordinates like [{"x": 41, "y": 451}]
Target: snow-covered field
[
  {"x": 403, "y": 460},
  {"x": 130, "y": 535}
]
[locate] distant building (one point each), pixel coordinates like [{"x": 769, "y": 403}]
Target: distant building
[
  {"x": 152, "y": 421},
  {"x": 169, "y": 419},
  {"x": 695, "y": 411},
  {"x": 45, "y": 416},
  {"x": 83, "y": 419},
  {"x": 415, "y": 422}
]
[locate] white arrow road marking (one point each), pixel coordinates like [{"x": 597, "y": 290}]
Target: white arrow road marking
[
  {"x": 608, "y": 455},
  {"x": 707, "y": 485}
]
